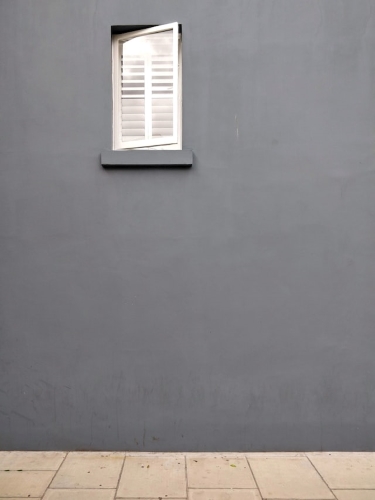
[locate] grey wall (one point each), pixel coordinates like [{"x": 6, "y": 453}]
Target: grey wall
[{"x": 228, "y": 307}]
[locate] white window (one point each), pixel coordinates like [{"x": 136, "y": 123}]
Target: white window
[{"x": 147, "y": 88}]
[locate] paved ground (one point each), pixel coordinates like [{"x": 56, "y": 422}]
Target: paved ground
[{"x": 196, "y": 476}]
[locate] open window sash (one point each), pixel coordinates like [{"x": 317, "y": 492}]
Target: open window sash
[{"x": 146, "y": 87}]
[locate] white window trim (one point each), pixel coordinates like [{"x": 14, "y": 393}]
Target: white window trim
[{"x": 173, "y": 142}]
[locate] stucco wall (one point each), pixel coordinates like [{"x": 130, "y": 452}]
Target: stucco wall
[{"x": 226, "y": 307}]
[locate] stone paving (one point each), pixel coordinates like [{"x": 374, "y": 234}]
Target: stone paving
[{"x": 191, "y": 476}]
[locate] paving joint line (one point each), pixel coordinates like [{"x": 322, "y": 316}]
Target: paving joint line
[
  {"x": 252, "y": 473},
  {"x": 57, "y": 470},
  {"x": 119, "y": 477},
  {"x": 186, "y": 477},
  {"x": 322, "y": 478}
]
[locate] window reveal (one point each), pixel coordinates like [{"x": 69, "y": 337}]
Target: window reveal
[{"x": 147, "y": 90}]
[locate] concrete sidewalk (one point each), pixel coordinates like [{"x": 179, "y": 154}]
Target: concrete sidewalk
[{"x": 196, "y": 476}]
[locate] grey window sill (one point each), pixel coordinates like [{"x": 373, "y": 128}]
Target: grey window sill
[{"x": 165, "y": 158}]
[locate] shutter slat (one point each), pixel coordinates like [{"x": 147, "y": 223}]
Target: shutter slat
[
  {"x": 162, "y": 132},
  {"x": 126, "y": 123},
  {"x": 128, "y": 104},
  {"x": 132, "y": 81},
  {"x": 162, "y": 124},
  {"x": 160, "y": 106},
  {"x": 132, "y": 132},
  {"x": 133, "y": 117},
  {"x": 162, "y": 116}
]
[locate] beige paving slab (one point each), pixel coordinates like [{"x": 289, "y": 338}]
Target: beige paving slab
[
  {"x": 224, "y": 494},
  {"x": 346, "y": 470},
  {"x": 354, "y": 494},
  {"x": 275, "y": 454},
  {"x": 24, "y": 484},
  {"x": 151, "y": 454},
  {"x": 150, "y": 477},
  {"x": 31, "y": 460},
  {"x": 89, "y": 470},
  {"x": 232, "y": 454},
  {"x": 288, "y": 478},
  {"x": 68, "y": 494},
  {"x": 219, "y": 472}
]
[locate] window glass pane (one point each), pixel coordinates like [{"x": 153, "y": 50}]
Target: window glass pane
[
  {"x": 147, "y": 86},
  {"x": 133, "y": 68},
  {"x": 162, "y": 84},
  {"x": 162, "y": 116}
]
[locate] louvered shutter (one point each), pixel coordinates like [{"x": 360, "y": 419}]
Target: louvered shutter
[{"x": 148, "y": 88}]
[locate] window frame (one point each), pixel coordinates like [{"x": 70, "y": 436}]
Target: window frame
[{"x": 172, "y": 142}]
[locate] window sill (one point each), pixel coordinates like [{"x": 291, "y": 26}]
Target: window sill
[{"x": 165, "y": 158}]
